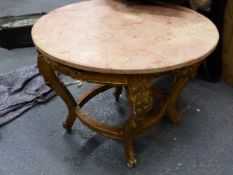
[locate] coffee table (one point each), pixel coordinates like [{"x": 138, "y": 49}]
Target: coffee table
[{"x": 120, "y": 46}]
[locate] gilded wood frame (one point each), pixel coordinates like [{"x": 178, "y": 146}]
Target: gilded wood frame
[{"x": 139, "y": 95}]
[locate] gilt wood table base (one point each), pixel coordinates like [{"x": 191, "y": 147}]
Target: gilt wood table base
[{"x": 139, "y": 95}]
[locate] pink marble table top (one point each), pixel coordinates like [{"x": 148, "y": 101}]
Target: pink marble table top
[{"x": 109, "y": 37}]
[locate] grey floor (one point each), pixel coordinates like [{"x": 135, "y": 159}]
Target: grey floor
[{"x": 36, "y": 144}]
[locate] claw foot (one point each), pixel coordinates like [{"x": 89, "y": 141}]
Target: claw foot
[
  {"x": 132, "y": 163},
  {"x": 67, "y": 127},
  {"x": 175, "y": 118}
]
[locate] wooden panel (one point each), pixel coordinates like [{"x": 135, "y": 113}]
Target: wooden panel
[{"x": 228, "y": 44}]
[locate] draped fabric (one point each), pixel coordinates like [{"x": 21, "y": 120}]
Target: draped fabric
[{"x": 20, "y": 90}]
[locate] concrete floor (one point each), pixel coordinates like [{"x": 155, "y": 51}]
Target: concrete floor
[{"x": 36, "y": 144}]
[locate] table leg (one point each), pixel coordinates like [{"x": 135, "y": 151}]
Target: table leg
[
  {"x": 139, "y": 96},
  {"x": 52, "y": 81},
  {"x": 183, "y": 76},
  {"x": 117, "y": 93}
]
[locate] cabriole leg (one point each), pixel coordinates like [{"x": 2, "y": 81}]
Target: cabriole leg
[
  {"x": 140, "y": 99},
  {"x": 52, "y": 81},
  {"x": 183, "y": 76}
]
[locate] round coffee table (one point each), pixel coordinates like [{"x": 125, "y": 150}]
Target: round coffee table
[{"x": 115, "y": 45}]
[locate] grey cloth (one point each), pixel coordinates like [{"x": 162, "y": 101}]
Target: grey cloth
[{"x": 20, "y": 90}]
